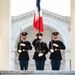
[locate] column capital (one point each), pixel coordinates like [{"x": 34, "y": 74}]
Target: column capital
[
  {"x": 73, "y": 1},
  {"x": 4, "y": 0}
]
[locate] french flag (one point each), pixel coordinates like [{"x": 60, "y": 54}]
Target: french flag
[{"x": 38, "y": 20}]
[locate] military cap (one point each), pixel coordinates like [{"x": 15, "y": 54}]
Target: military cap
[
  {"x": 39, "y": 34},
  {"x": 24, "y": 33},
  {"x": 55, "y": 33}
]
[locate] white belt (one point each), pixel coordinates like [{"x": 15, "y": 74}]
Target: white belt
[{"x": 24, "y": 50}]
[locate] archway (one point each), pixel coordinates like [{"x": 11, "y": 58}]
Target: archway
[
  {"x": 46, "y": 37},
  {"x": 52, "y": 22}
]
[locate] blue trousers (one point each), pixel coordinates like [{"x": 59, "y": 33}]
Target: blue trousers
[
  {"x": 39, "y": 64},
  {"x": 23, "y": 64},
  {"x": 55, "y": 64}
]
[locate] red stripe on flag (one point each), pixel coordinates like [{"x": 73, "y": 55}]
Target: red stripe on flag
[{"x": 38, "y": 23}]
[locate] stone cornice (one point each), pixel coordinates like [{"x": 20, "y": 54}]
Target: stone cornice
[
  {"x": 56, "y": 16},
  {"x": 64, "y": 19}
]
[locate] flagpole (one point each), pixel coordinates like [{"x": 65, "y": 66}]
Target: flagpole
[
  {"x": 39, "y": 18},
  {"x": 39, "y": 22}
]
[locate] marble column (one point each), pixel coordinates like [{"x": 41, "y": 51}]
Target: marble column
[
  {"x": 67, "y": 65},
  {"x": 73, "y": 35},
  {"x": 4, "y": 34}
]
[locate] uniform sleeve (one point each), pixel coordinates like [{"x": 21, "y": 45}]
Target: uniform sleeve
[
  {"x": 18, "y": 46},
  {"x": 49, "y": 45},
  {"x": 34, "y": 43},
  {"x": 29, "y": 46},
  {"x": 46, "y": 48},
  {"x": 62, "y": 46}
]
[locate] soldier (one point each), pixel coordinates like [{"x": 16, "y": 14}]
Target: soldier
[
  {"x": 40, "y": 51},
  {"x": 55, "y": 46},
  {"x": 23, "y": 47}
]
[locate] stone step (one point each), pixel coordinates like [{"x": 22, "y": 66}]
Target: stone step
[{"x": 37, "y": 72}]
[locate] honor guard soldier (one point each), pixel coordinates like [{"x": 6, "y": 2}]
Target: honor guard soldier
[
  {"x": 55, "y": 46},
  {"x": 23, "y": 47},
  {"x": 41, "y": 50}
]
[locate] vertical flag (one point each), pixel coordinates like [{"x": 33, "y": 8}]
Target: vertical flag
[{"x": 38, "y": 21}]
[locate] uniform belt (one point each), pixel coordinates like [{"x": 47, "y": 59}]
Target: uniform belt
[
  {"x": 56, "y": 49},
  {"x": 24, "y": 50},
  {"x": 39, "y": 51}
]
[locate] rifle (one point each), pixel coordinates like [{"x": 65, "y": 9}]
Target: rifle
[
  {"x": 20, "y": 37},
  {"x": 51, "y": 39}
]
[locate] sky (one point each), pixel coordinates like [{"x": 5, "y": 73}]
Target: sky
[{"x": 61, "y": 7}]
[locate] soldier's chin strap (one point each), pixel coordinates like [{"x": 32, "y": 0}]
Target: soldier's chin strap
[{"x": 55, "y": 39}]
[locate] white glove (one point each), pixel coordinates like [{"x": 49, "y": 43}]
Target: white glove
[
  {"x": 23, "y": 50},
  {"x": 55, "y": 45},
  {"x": 19, "y": 51},
  {"x": 51, "y": 50},
  {"x": 40, "y": 54},
  {"x": 40, "y": 37},
  {"x": 22, "y": 44}
]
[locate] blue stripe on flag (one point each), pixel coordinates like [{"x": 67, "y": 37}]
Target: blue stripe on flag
[{"x": 38, "y": 5}]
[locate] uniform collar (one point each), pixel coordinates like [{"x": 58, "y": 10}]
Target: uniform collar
[
  {"x": 55, "y": 39},
  {"x": 23, "y": 40}
]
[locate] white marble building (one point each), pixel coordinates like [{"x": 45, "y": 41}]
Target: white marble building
[{"x": 52, "y": 22}]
